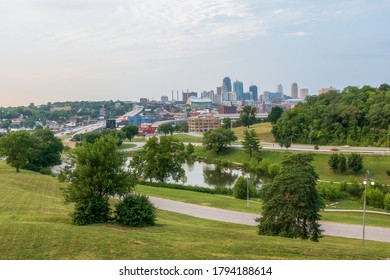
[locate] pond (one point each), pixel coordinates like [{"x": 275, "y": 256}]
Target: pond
[{"x": 212, "y": 176}]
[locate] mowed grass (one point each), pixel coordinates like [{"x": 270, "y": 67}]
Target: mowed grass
[
  {"x": 188, "y": 138},
  {"x": 263, "y": 131},
  {"x": 229, "y": 203},
  {"x": 35, "y": 224}
]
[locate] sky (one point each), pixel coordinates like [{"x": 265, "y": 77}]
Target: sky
[{"x": 92, "y": 50}]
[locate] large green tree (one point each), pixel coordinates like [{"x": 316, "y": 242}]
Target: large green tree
[
  {"x": 166, "y": 128},
  {"x": 291, "y": 201},
  {"x": 130, "y": 131},
  {"x": 251, "y": 143},
  {"x": 162, "y": 158},
  {"x": 248, "y": 115},
  {"x": 98, "y": 174},
  {"x": 17, "y": 147},
  {"x": 218, "y": 139},
  {"x": 276, "y": 113},
  {"x": 47, "y": 149}
]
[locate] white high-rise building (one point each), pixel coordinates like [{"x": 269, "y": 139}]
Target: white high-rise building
[
  {"x": 294, "y": 91},
  {"x": 303, "y": 93},
  {"x": 279, "y": 88}
]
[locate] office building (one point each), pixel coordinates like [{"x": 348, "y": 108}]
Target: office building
[
  {"x": 227, "y": 83},
  {"x": 164, "y": 99},
  {"x": 273, "y": 97},
  {"x": 238, "y": 88},
  {"x": 303, "y": 93},
  {"x": 294, "y": 91},
  {"x": 279, "y": 88},
  {"x": 255, "y": 95},
  {"x": 203, "y": 123}
]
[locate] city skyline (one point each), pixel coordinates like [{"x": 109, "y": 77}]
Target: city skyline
[{"x": 124, "y": 50}]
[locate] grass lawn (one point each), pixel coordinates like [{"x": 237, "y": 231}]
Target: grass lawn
[
  {"x": 188, "y": 138},
  {"x": 35, "y": 224},
  {"x": 229, "y": 203},
  {"x": 263, "y": 130},
  {"x": 127, "y": 145}
]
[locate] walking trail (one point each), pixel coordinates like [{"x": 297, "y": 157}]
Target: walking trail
[{"x": 330, "y": 228}]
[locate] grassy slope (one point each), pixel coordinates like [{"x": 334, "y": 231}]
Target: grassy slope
[
  {"x": 229, "y": 203},
  {"x": 263, "y": 130},
  {"x": 34, "y": 224}
]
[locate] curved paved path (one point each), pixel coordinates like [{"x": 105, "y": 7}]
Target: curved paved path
[{"x": 330, "y": 228}]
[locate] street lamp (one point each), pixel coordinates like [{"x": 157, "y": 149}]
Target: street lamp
[{"x": 366, "y": 181}]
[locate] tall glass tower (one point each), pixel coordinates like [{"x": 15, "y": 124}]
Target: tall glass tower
[
  {"x": 228, "y": 83},
  {"x": 255, "y": 95},
  {"x": 238, "y": 87}
]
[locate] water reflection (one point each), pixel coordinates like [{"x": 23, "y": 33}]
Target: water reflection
[
  {"x": 210, "y": 175},
  {"x": 219, "y": 177}
]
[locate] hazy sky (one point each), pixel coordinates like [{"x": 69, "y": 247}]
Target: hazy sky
[{"x": 58, "y": 50}]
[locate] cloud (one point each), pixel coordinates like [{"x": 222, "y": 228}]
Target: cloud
[{"x": 299, "y": 34}]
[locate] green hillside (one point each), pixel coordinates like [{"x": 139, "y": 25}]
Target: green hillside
[{"x": 35, "y": 224}]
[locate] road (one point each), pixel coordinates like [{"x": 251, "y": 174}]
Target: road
[{"x": 330, "y": 228}]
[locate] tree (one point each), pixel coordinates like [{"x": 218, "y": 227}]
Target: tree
[
  {"x": 240, "y": 188},
  {"x": 166, "y": 128},
  {"x": 218, "y": 139},
  {"x": 248, "y": 116},
  {"x": 47, "y": 149},
  {"x": 276, "y": 113},
  {"x": 130, "y": 131},
  {"x": 251, "y": 143},
  {"x": 355, "y": 162},
  {"x": 17, "y": 147},
  {"x": 342, "y": 163},
  {"x": 291, "y": 201},
  {"x": 98, "y": 174},
  {"x": 334, "y": 162},
  {"x": 227, "y": 123},
  {"x": 162, "y": 158}
]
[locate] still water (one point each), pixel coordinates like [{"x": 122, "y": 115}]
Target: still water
[{"x": 210, "y": 175}]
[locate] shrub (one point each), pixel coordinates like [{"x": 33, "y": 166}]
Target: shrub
[
  {"x": 388, "y": 172},
  {"x": 387, "y": 202},
  {"x": 91, "y": 210},
  {"x": 240, "y": 188},
  {"x": 353, "y": 188},
  {"x": 342, "y": 163},
  {"x": 375, "y": 197},
  {"x": 136, "y": 210},
  {"x": 330, "y": 191},
  {"x": 355, "y": 162},
  {"x": 273, "y": 170},
  {"x": 334, "y": 162}
]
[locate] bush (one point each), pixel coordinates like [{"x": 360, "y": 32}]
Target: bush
[
  {"x": 334, "y": 162},
  {"x": 330, "y": 191},
  {"x": 240, "y": 188},
  {"x": 353, "y": 188},
  {"x": 375, "y": 197},
  {"x": 387, "y": 202},
  {"x": 355, "y": 162},
  {"x": 91, "y": 210},
  {"x": 136, "y": 210},
  {"x": 388, "y": 172},
  {"x": 273, "y": 170}
]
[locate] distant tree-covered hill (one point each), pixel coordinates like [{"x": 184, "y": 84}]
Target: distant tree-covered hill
[{"x": 355, "y": 116}]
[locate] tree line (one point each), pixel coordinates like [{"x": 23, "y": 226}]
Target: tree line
[{"x": 356, "y": 116}]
